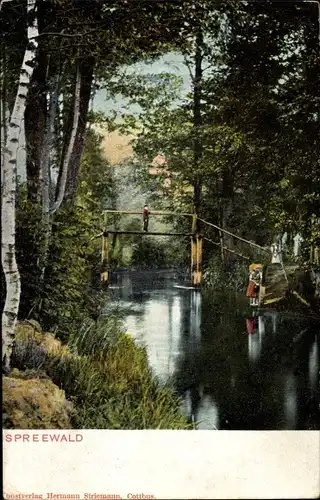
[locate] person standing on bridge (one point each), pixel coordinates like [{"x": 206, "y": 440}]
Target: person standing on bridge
[{"x": 145, "y": 218}]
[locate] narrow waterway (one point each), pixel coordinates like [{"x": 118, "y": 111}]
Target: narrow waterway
[{"x": 233, "y": 368}]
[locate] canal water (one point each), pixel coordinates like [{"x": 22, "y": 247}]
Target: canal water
[{"x": 233, "y": 368}]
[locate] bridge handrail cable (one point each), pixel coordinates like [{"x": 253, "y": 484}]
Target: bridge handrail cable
[
  {"x": 235, "y": 236},
  {"x": 159, "y": 212}
]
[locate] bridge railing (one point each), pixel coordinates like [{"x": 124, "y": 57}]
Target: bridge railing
[{"x": 195, "y": 235}]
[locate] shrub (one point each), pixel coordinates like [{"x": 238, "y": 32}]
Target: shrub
[
  {"x": 148, "y": 253},
  {"x": 220, "y": 278},
  {"x": 104, "y": 374}
]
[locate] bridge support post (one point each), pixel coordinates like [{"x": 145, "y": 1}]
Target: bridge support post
[
  {"x": 196, "y": 260},
  {"x": 105, "y": 257},
  {"x": 193, "y": 260},
  {"x": 199, "y": 259},
  {"x": 196, "y": 253}
]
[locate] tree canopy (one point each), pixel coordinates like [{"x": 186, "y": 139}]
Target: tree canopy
[{"x": 240, "y": 146}]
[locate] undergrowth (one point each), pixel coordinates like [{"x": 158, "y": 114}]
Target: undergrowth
[
  {"x": 221, "y": 278},
  {"x": 108, "y": 379}
]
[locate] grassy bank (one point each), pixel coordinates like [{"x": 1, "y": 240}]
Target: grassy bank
[{"x": 100, "y": 379}]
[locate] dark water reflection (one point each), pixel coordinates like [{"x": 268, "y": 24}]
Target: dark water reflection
[{"x": 233, "y": 370}]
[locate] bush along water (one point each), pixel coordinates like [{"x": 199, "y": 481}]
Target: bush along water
[
  {"x": 222, "y": 278},
  {"x": 99, "y": 379}
]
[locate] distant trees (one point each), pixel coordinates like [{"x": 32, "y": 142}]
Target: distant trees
[
  {"x": 63, "y": 47},
  {"x": 248, "y": 133}
]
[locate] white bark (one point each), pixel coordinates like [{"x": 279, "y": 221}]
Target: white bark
[
  {"x": 76, "y": 113},
  {"x": 5, "y": 115},
  {"x": 5, "y": 118},
  {"x": 8, "y": 215}
]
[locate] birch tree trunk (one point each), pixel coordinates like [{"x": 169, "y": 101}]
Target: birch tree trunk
[
  {"x": 5, "y": 115},
  {"x": 63, "y": 178},
  {"x": 8, "y": 215},
  {"x": 4, "y": 123}
]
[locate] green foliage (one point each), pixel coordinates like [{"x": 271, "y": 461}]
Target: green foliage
[
  {"x": 113, "y": 33},
  {"x": 148, "y": 253},
  {"x": 29, "y": 241},
  {"x": 115, "y": 387},
  {"x": 259, "y": 133},
  {"x": 96, "y": 183},
  {"x": 67, "y": 289},
  {"x": 104, "y": 374},
  {"x": 220, "y": 279},
  {"x": 67, "y": 295}
]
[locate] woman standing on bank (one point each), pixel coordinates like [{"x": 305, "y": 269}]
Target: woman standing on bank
[{"x": 255, "y": 275}]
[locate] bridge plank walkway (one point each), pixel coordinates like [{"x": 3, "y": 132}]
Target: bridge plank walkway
[{"x": 148, "y": 233}]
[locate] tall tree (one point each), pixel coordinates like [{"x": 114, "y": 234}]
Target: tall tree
[
  {"x": 36, "y": 111},
  {"x": 86, "y": 70},
  {"x": 63, "y": 174},
  {"x": 9, "y": 188},
  {"x": 258, "y": 128}
]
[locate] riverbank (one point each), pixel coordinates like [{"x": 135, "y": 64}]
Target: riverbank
[{"x": 100, "y": 380}]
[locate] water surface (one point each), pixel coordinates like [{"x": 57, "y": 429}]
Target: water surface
[{"x": 233, "y": 368}]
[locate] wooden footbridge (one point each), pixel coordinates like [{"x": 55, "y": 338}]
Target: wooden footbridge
[
  {"x": 196, "y": 240},
  {"x": 274, "y": 286}
]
